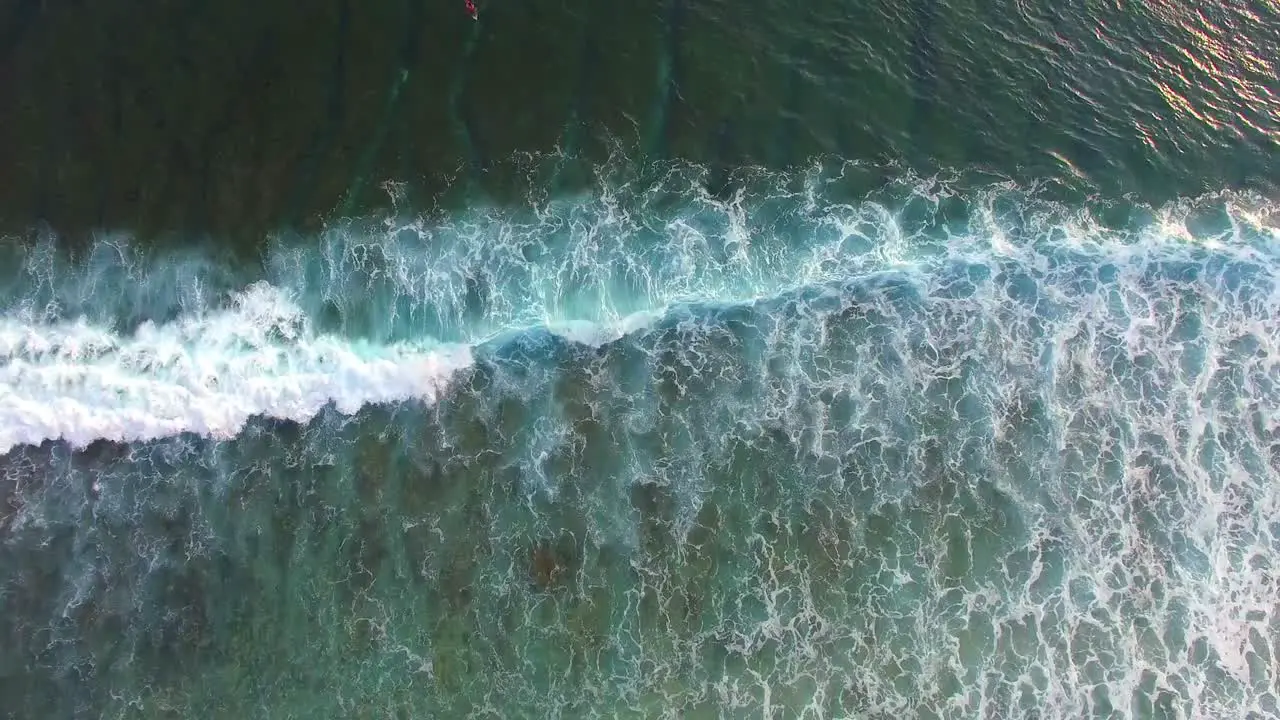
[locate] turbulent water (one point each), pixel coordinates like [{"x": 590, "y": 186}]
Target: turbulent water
[
  {"x": 876, "y": 360},
  {"x": 813, "y": 447}
]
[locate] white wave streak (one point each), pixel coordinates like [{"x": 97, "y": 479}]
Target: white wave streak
[
  {"x": 590, "y": 270},
  {"x": 202, "y": 374}
]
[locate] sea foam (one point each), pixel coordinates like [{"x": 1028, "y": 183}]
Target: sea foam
[
  {"x": 124, "y": 345},
  {"x": 205, "y": 374}
]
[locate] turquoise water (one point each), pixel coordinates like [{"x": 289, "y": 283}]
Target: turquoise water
[
  {"x": 669, "y": 435},
  {"x": 946, "y": 449}
]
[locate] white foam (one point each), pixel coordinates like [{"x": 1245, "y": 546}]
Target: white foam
[
  {"x": 205, "y": 374},
  {"x": 1103, "y": 394},
  {"x": 598, "y": 334},
  {"x": 591, "y": 269}
]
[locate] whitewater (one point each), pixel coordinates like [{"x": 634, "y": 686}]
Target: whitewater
[
  {"x": 944, "y": 448},
  {"x": 219, "y": 355}
]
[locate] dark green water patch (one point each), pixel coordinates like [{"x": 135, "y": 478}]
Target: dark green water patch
[{"x": 235, "y": 120}]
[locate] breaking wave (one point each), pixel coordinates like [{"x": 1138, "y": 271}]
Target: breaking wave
[{"x": 939, "y": 448}]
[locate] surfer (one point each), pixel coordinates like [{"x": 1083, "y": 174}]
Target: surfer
[{"x": 471, "y": 9}]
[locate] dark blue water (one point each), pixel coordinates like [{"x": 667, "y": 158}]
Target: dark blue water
[{"x": 683, "y": 360}]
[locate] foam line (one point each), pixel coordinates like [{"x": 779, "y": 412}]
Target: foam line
[
  {"x": 179, "y": 354},
  {"x": 206, "y": 375}
]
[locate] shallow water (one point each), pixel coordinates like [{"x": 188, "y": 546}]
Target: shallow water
[{"x": 946, "y": 449}]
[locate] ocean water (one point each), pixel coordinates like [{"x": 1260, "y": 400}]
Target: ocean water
[{"x": 661, "y": 434}]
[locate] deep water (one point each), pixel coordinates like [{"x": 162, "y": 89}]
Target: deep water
[{"x": 685, "y": 360}]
